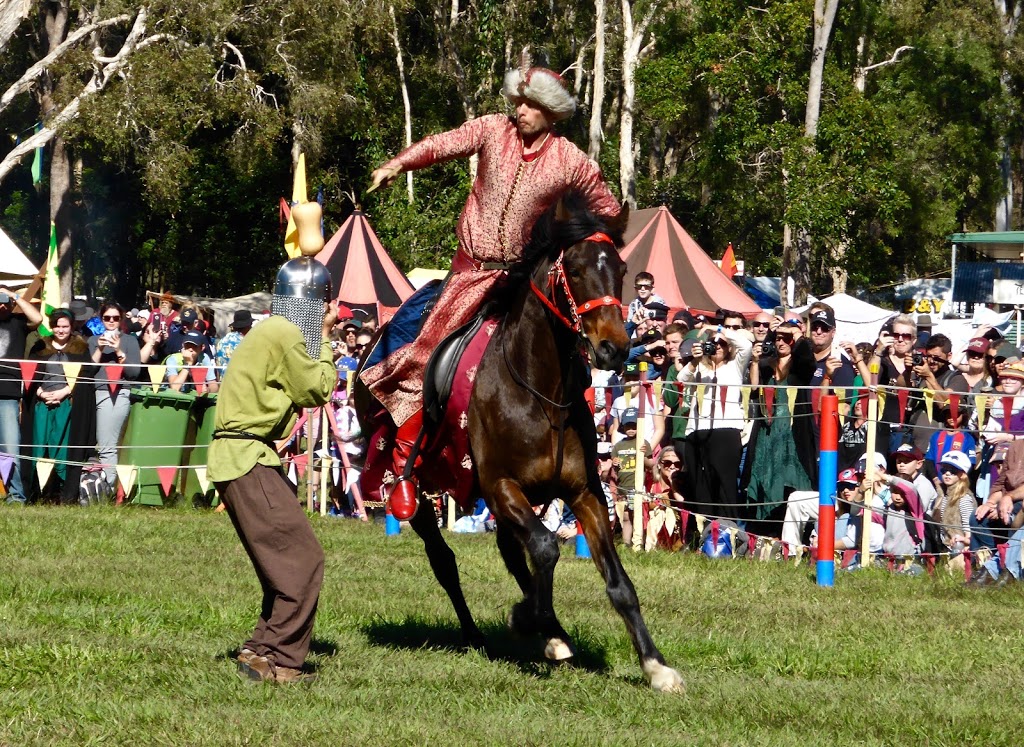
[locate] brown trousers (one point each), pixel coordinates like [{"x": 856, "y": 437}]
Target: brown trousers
[{"x": 288, "y": 559}]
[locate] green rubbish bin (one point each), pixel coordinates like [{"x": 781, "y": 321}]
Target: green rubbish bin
[
  {"x": 197, "y": 444},
  {"x": 154, "y": 437}
]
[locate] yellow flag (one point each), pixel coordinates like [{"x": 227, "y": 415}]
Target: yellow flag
[
  {"x": 156, "y": 376},
  {"x": 291, "y": 233},
  {"x": 929, "y": 402},
  {"x": 980, "y": 401},
  {"x": 745, "y": 401},
  {"x": 791, "y": 392},
  {"x": 71, "y": 371},
  {"x": 126, "y": 476},
  {"x": 43, "y": 468}
]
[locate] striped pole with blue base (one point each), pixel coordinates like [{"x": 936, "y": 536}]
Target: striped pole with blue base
[
  {"x": 582, "y": 548},
  {"x": 392, "y": 525},
  {"x": 827, "y": 475}
]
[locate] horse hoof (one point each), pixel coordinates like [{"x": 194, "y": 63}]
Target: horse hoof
[
  {"x": 557, "y": 650},
  {"x": 664, "y": 679},
  {"x": 403, "y": 500}
]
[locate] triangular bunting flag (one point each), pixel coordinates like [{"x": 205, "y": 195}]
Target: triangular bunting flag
[
  {"x": 204, "y": 481},
  {"x": 881, "y": 402},
  {"x": 293, "y": 475},
  {"x": 902, "y": 395},
  {"x": 840, "y": 393},
  {"x": 629, "y": 396},
  {"x": 28, "y": 370},
  {"x": 156, "y": 376},
  {"x": 1007, "y": 412},
  {"x": 44, "y": 468},
  {"x": 336, "y": 475},
  {"x": 929, "y": 402},
  {"x": 980, "y": 402},
  {"x": 71, "y": 371},
  {"x": 657, "y": 390},
  {"x": 114, "y": 372},
  {"x": 815, "y": 401},
  {"x": 769, "y": 401},
  {"x": 167, "y": 475},
  {"x": 199, "y": 374},
  {"x": 745, "y": 401},
  {"x": 700, "y": 395},
  {"x": 6, "y": 467},
  {"x": 954, "y": 407},
  {"x": 723, "y": 391},
  {"x": 126, "y": 476},
  {"x": 791, "y": 392}
]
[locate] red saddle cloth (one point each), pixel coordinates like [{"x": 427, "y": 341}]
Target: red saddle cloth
[{"x": 447, "y": 464}]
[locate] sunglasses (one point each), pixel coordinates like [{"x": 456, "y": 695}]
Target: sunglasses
[
  {"x": 949, "y": 470},
  {"x": 760, "y": 324},
  {"x": 938, "y": 359},
  {"x": 643, "y": 287},
  {"x": 819, "y": 327},
  {"x": 903, "y": 336},
  {"x": 788, "y": 339},
  {"x": 733, "y": 326},
  {"x": 975, "y": 356},
  {"x": 671, "y": 464},
  {"x": 112, "y": 318}
]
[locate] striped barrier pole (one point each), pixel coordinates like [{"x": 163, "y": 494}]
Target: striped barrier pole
[
  {"x": 827, "y": 475},
  {"x": 392, "y": 525},
  {"x": 582, "y": 548}
]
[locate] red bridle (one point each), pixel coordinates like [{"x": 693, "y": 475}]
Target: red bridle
[{"x": 556, "y": 277}]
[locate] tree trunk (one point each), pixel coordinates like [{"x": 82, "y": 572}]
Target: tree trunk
[
  {"x": 802, "y": 243},
  {"x": 596, "y": 130},
  {"x": 56, "y": 24},
  {"x": 12, "y": 13},
  {"x": 405, "y": 91}
]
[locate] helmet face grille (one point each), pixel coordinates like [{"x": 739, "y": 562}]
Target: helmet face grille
[{"x": 305, "y": 313}]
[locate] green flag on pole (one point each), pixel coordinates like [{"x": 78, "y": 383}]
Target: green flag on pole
[
  {"x": 51, "y": 284},
  {"x": 37, "y": 161}
]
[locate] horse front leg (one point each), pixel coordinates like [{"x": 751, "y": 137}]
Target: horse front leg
[
  {"x": 442, "y": 561},
  {"x": 519, "y": 524},
  {"x": 592, "y": 514}
]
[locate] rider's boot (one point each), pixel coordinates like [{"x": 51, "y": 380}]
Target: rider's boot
[{"x": 404, "y": 496}]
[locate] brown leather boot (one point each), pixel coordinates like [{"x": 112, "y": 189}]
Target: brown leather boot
[{"x": 263, "y": 669}]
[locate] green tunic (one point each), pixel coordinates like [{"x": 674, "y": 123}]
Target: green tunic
[
  {"x": 271, "y": 378},
  {"x": 776, "y": 464}
]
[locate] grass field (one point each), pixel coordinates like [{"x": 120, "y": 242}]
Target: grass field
[{"x": 116, "y": 627}]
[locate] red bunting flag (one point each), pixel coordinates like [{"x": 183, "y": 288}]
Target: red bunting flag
[
  {"x": 199, "y": 374},
  {"x": 954, "y": 409},
  {"x": 723, "y": 390},
  {"x": 588, "y": 394},
  {"x": 1007, "y": 411},
  {"x": 167, "y": 475},
  {"x": 769, "y": 400},
  {"x": 28, "y": 370},
  {"x": 902, "y": 395},
  {"x": 114, "y": 372}
]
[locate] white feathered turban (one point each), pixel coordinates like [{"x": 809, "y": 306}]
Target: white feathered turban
[{"x": 543, "y": 87}]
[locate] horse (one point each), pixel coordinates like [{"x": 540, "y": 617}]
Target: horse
[{"x": 559, "y": 310}]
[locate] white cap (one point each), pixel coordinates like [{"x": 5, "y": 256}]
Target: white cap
[
  {"x": 957, "y": 459},
  {"x": 880, "y": 463}
]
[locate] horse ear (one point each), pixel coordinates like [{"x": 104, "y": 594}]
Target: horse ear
[{"x": 619, "y": 222}]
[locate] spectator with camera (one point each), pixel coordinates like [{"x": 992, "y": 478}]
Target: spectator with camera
[
  {"x": 14, "y": 331},
  {"x": 831, "y": 367},
  {"x": 675, "y": 399},
  {"x": 115, "y": 348},
  {"x": 785, "y": 450},
  {"x": 893, "y": 354},
  {"x": 932, "y": 370},
  {"x": 713, "y": 444},
  {"x": 638, "y": 311}
]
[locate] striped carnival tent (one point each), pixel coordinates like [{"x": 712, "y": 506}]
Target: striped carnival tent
[
  {"x": 363, "y": 274},
  {"x": 684, "y": 275}
]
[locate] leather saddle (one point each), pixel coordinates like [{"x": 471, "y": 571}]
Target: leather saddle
[{"x": 440, "y": 371}]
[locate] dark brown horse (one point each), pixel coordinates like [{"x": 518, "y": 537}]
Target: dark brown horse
[{"x": 532, "y": 433}]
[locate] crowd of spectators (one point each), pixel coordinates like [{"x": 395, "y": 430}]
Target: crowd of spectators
[
  {"x": 66, "y": 383},
  {"x": 725, "y": 417}
]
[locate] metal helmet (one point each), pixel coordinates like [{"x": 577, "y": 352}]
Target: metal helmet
[{"x": 302, "y": 287}]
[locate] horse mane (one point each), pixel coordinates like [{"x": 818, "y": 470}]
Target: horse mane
[{"x": 548, "y": 237}]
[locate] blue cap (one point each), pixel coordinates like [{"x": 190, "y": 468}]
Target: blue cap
[{"x": 194, "y": 338}]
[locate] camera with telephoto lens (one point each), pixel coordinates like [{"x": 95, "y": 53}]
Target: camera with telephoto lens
[
  {"x": 768, "y": 349},
  {"x": 708, "y": 347},
  {"x": 918, "y": 358}
]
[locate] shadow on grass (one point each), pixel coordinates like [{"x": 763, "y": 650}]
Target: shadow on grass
[{"x": 527, "y": 654}]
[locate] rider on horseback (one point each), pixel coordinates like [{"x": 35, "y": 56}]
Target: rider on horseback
[{"x": 524, "y": 167}]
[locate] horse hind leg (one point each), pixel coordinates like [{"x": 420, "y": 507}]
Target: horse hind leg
[
  {"x": 446, "y": 570},
  {"x": 522, "y": 534},
  {"x": 593, "y": 516}
]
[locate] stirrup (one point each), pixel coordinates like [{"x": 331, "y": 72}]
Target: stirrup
[{"x": 404, "y": 499}]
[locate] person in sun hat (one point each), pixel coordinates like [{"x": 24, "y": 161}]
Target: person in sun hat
[
  {"x": 241, "y": 323},
  {"x": 523, "y": 167}
]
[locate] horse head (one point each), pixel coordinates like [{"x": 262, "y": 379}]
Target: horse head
[{"x": 584, "y": 286}]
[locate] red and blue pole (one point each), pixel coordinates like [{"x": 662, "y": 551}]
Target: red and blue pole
[{"x": 827, "y": 476}]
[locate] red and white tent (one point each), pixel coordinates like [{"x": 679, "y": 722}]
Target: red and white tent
[
  {"x": 684, "y": 275},
  {"x": 363, "y": 275}
]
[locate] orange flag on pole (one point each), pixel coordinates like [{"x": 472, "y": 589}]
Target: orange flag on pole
[{"x": 729, "y": 266}]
